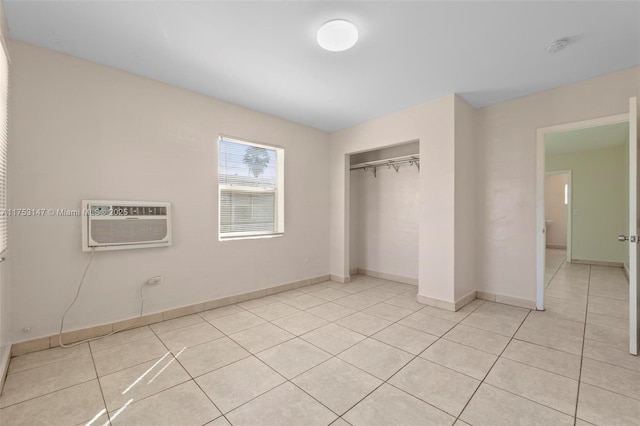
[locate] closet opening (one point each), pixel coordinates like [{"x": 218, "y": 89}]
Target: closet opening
[{"x": 384, "y": 205}]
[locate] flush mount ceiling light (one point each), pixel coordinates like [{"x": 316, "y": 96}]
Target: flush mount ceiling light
[
  {"x": 557, "y": 45},
  {"x": 337, "y": 35}
]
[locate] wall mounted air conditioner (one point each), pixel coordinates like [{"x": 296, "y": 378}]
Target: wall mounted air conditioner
[{"x": 118, "y": 225}]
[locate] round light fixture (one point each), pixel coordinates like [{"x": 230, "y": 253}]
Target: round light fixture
[{"x": 337, "y": 35}]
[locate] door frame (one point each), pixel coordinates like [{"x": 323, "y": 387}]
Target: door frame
[
  {"x": 569, "y": 217},
  {"x": 540, "y": 174}
]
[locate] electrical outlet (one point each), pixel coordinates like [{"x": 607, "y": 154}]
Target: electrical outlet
[{"x": 155, "y": 280}]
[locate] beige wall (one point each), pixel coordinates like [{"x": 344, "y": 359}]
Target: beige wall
[
  {"x": 84, "y": 131},
  {"x": 504, "y": 180},
  {"x": 599, "y": 202},
  {"x": 384, "y": 224},
  {"x": 555, "y": 210},
  {"x": 507, "y": 158},
  {"x": 446, "y": 192},
  {"x": 432, "y": 125},
  {"x": 466, "y": 198},
  {"x": 81, "y": 130}
]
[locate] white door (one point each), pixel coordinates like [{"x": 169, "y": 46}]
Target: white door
[{"x": 634, "y": 209}]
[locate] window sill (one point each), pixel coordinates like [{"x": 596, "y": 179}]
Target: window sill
[{"x": 250, "y": 237}]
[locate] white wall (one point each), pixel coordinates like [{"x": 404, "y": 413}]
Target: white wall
[
  {"x": 555, "y": 210},
  {"x": 599, "y": 202},
  {"x": 507, "y": 158},
  {"x": 354, "y": 232},
  {"x": 84, "y": 131},
  {"x": 384, "y": 226},
  {"x": 625, "y": 218}
]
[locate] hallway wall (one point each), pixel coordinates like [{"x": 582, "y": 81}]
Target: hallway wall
[
  {"x": 507, "y": 173},
  {"x": 598, "y": 201},
  {"x": 555, "y": 209}
]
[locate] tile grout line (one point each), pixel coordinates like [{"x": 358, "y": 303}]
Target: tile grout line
[
  {"x": 56, "y": 390},
  {"x": 157, "y": 335},
  {"x": 612, "y": 391},
  {"x": 294, "y": 336},
  {"x": 493, "y": 365},
  {"x": 260, "y": 360},
  {"x": 539, "y": 368},
  {"x": 192, "y": 379},
  {"x": 554, "y": 274},
  {"x": 79, "y": 355},
  {"x": 49, "y": 393},
  {"x": 323, "y": 362},
  {"x": 44, "y": 364},
  {"x": 387, "y": 380},
  {"x": 126, "y": 343},
  {"x": 104, "y": 401},
  {"x": 407, "y": 363},
  {"x": 344, "y": 350},
  {"x": 365, "y": 337},
  {"x": 584, "y": 334},
  {"x": 153, "y": 359},
  {"x": 418, "y": 356},
  {"x": 336, "y": 356}
]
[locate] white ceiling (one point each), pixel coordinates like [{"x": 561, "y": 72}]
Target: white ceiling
[
  {"x": 263, "y": 55},
  {"x": 587, "y": 139}
]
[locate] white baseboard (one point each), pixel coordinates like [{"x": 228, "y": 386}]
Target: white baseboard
[
  {"x": 598, "y": 263},
  {"x": 340, "y": 279},
  {"x": 390, "y": 277},
  {"x": 556, "y": 246},
  {"x": 466, "y": 299},
  {"x": 506, "y": 300},
  {"x": 447, "y": 305},
  {"x": 41, "y": 343},
  {"x": 4, "y": 365},
  {"x": 625, "y": 268}
]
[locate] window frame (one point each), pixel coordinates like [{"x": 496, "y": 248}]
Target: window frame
[
  {"x": 278, "y": 192},
  {"x": 4, "y": 145}
]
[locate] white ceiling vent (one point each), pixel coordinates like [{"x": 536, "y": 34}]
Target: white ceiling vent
[{"x": 557, "y": 45}]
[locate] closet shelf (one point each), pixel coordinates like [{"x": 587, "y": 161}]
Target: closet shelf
[{"x": 388, "y": 162}]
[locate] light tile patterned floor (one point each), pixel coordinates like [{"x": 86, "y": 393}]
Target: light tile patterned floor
[{"x": 364, "y": 353}]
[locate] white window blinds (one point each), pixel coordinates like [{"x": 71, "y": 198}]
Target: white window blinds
[
  {"x": 250, "y": 189},
  {"x": 4, "y": 128}
]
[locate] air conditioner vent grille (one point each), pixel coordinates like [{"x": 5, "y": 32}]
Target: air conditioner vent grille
[
  {"x": 117, "y": 225},
  {"x": 128, "y": 231}
]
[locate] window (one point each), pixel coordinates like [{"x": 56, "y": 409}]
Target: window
[
  {"x": 4, "y": 125},
  {"x": 251, "y": 189}
]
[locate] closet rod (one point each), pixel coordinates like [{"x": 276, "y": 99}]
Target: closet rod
[{"x": 389, "y": 162}]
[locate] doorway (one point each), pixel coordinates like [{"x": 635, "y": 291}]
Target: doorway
[
  {"x": 541, "y": 151},
  {"x": 557, "y": 205},
  {"x": 603, "y": 187}
]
